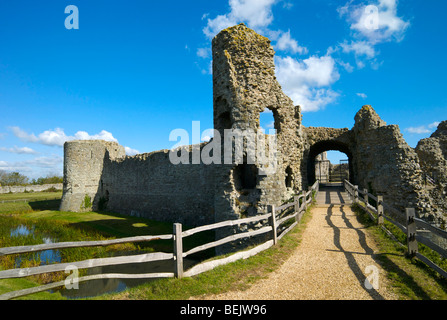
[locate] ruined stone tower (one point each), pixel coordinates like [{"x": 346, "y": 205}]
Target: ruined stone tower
[{"x": 83, "y": 169}]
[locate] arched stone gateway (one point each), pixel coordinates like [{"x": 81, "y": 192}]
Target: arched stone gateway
[
  {"x": 323, "y": 146},
  {"x": 322, "y": 139}
]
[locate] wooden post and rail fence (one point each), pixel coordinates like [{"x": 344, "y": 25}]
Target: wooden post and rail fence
[
  {"x": 414, "y": 228},
  {"x": 278, "y": 222}
]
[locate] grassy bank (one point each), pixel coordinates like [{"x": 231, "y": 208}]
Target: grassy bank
[
  {"x": 411, "y": 278},
  {"x": 30, "y": 196}
]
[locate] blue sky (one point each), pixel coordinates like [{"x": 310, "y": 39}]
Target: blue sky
[{"x": 136, "y": 70}]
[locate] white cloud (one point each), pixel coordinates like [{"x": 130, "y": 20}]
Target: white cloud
[
  {"x": 424, "y": 128},
  {"x": 286, "y": 43},
  {"x": 57, "y": 137},
  {"x": 304, "y": 81},
  {"x": 45, "y": 162},
  {"x": 206, "y": 138},
  {"x": 130, "y": 151},
  {"x": 217, "y": 24},
  {"x": 203, "y": 53},
  {"x": 346, "y": 65},
  {"x": 287, "y": 5},
  {"x": 388, "y": 26},
  {"x": 314, "y": 71},
  {"x": 418, "y": 130},
  {"x": 373, "y": 23},
  {"x": 434, "y": 125},
  {"x": 256, "y": 13},
  {"x": 22, "y": 135},
  {"x": 360, "y": 48},
  {"x": 377, "y": 22},
  {"x": 362, "y": 95},
  {"x": 103, "y": 135},
  {"x": 23, "y": 150},
  {"x": 50, "y": 164}
]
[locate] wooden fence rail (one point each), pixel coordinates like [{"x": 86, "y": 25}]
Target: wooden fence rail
[
  {"x": 413, "y": 228},
  {"x": 272, "y": 221}
]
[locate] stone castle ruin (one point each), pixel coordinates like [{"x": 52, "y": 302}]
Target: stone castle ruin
[{"x": 98, "y": 174}]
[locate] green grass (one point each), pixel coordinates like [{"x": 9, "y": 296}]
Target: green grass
[
  {"x": 9, "y": 285},
  {"x": 410, "y": 278},
  {"x": 36, "y": 201},
  {"x": 31, "y": 196}
]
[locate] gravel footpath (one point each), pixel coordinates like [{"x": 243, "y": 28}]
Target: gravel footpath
[{"x": 331, "y": 263}]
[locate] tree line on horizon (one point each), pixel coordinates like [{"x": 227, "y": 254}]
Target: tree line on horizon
[{"x": 18, "y": 179}]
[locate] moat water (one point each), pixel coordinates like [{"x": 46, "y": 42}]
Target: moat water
[{"x": 94, "y": 288}]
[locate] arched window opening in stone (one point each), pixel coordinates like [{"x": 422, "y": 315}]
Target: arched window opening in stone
[
  {"x": 245, "y": 176},
  {"x": 268, "y": 120}
]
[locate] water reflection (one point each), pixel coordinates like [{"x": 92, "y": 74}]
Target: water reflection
[
  {"x": 45, "y": 257},
  {"x": 97, "y": 287},
  {"x": 21, "y": 230}
]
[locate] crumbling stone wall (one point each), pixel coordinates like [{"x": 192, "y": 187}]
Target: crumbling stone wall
[
  {"x": 145, "y": 185},
  {"x": 387, "y": 165},
  {"x": 380, "y": 161},
  {"x": 432, "y": 153},
  {"x": 149, "y": 185}
]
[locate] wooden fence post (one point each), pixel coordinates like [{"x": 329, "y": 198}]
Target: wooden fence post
[
  {"x": 272, "y": 209},
  {"x": 178, "y": 250},
  {"x": 380, "y": 210},
  {"x": 356, "y": 194},
  {"x": 296, "y": 201},
  {"x": 304, "y": 200},
  {"x": 411, "y": 232},
  {"x": 365, "y": 196}
]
